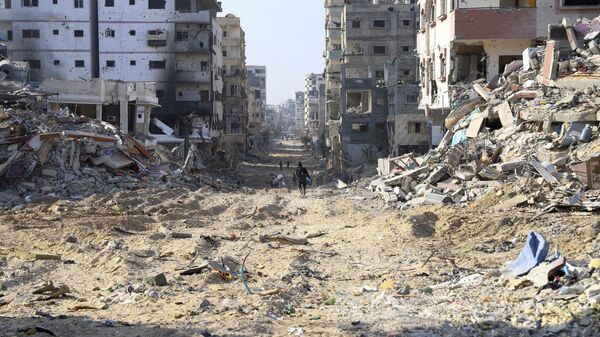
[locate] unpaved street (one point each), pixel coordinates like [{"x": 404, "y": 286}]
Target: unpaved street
[{"x": 367, "y": 270}]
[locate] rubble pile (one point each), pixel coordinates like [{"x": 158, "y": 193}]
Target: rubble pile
[
  {"x": 61, "y": 155},
  {"x": 536, "y": 124}
]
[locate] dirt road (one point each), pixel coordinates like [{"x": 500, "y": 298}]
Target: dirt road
[{"x": 336, "y": 263}]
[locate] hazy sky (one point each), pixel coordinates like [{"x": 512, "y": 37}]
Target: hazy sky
[{"x": 287, "y": 36}]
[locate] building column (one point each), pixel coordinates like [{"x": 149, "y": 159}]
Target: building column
[
  {"x": 124, "y": 115},
  {"x": 99, "y": 112}
]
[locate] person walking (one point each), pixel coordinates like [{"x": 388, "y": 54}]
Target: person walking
[
  {"x": 288, "y": 164},
  {"x": 303, "y": 176},
  {"x": 280, "y": 165}
]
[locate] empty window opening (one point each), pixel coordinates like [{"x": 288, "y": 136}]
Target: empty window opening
[
  {"x": 358, "y": 102},
  {"x": 406, "y": 23},
  {"x": 416, "y": 127},
  {"x": 160, "y": 93},
  {"x": 132, "y": 32},
  {"x": 157, "y": 64},
  {"x": 78, "y": 3},
  {"x": 55, "y": 32},
  {"x": 380, "y": 50},
  {"x": 79, "y": 64},
  {"x": 379, "y": 23},
  {"x": 109, "y": 3},
  {"x": 109, "y": 32},
  {"x": 581, "y": 3},
  {"x": 78, "y": 33},
  {"x": 110, "y": 63},
  {"x": 156, "y": 4},
  {"x": 360, "y": 128},
  {"x": 184, "y": 6},
  {"x": 56, "y": 62},
  {"x": 34, "y": 64},
  {"x": 132, "y": 62},
  {"x": 356, "y": 23},
  {"x": 412, "y": 98},
  {"x": 181, "y": 36}
]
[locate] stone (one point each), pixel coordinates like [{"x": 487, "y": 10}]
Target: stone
[
  {"x": 50, "y": 172},
  {"x": 2, "y": 287},
  {"x": 159, "y": 280},
  {"x": 594, "y": 264},
  {"x": 156, "y": 236},
  {"x": 205, "y": 304}
]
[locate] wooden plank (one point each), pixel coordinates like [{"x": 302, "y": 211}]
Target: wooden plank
[
  {"x": 475, "y": 126},
  {"x": 140, "y": 147}
]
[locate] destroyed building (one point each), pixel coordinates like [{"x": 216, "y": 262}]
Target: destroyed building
[
  {"x": 299, "y": 116},
  {"x": 235, "y": 84},
  {"x": 314, "y": 85},
  {"x": 461, "y": 41},
  {"x": 175, "y": 44},
  {"x": 373, "y": 34},
  {"x": 257, "y": 106},
  {"x": 535, "y": 125}
]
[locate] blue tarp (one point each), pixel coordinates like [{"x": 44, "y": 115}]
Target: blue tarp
[
  {"x": 534, "y": 253},
  {"x": 459, "y": 137}
]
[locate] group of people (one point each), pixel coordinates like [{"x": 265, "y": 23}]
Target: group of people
[{"x": 300, "y": 177}]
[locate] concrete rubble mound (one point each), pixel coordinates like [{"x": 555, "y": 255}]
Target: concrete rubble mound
[
  {"x": 536, "y": 124},
  {"x": 61, "y": 155}
]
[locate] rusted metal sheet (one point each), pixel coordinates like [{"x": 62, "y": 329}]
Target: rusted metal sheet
[{"x": 588, "y": 172}]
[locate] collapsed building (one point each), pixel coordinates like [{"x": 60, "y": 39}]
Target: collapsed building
[
  {"x": 314, "y": 85},
  {"x": 257, "y": 103},
  {"x": 461, "y": 41},
  {"x": 535, "y": 125}
]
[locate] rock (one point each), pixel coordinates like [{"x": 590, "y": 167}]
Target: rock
[
  {"x": 205, "y": 304},
  {"x": 156, "y": 236},
  {"x": 70, "y": 239},
  {"x": 50, "y": 172},
  {"x": 178, "y": 235},
  {"x": 159, "y": 280},
  {"x": 594, "y": 264},
  {"x": 2, "y": 287}
]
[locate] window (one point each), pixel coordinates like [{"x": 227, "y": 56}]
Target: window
[
  {"x": 581, "y": 3},
  {"x": 109, "y": 3},
  {"x": 132, "y": 62},
  {"x": 30, "y": 3},
  {"x": 78, "y": 33},
  {"x": 379, "y": 23},
  {"x": 79, "y": 64},
  {"x": 9, "y": 35},
  {"x": 405, "y": 48},
  {"x": 156, "y": 4},
  {"x": 406, "y": 23},
  {"x": 109, "y": 32},
  {"x": 406, "y": 72},
  {"x": 442, "y": 7},
  {"x": 160, "y": 93},
  {"x": 204, "y": 96},
  {"x": 224, "y": 53},
  {"x": 34, "y": 64},
  {"x": 224, "y": 33},
  {"x": 416, "y": 127},
  {"x": 181, "y": 36},
  {"x": 203, "y": 66},
  {"x": 356, "y": 23},
  {"x": 31, "y": 34},
  {"x": 78, "y": 3},
  {"x": 360, "y": 128},
  {"x": 132, "y": 32},
  {"x": 110, "y": 63},
  {"x": 379, "y": 74},
  {"x": 55, "y": 2},
  {"x": 412, "y": 98},
  {"x": 56, "y": 62},
  {"x": 55, "y": 32},
  {"x": 157, "y": 64},
  {"x": 380, "y": 50},
  {"x": 256, "y": 94},
  {"x": 131, "y": 2}
]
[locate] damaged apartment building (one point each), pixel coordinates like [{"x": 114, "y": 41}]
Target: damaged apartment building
[
  {"x": 175, "y": 44},
  {"x": 257, "y": 102},
  {"x": 377, "y": 36},
  {"x": 299, "y": 116},
  {"x": 314, "y": 109},
  {"x": 235, "y": 85},
  {"x": 463, "y": 41}
]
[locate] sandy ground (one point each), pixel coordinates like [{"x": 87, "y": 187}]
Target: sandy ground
[{"x": 367, "y": 270}]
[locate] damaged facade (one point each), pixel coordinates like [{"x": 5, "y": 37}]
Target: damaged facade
[
  {"x": 299, "y": 115},
  {"x": 314, "y": 85},
  {"x": 176, "y": 44},
  {"x": 235, "y": 85},
  {"x": 373, "y": 34},
  {"x": 461, "y": 41},
  {"x": 257, "y": 103}
]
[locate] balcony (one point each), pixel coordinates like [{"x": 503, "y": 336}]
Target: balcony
[{"x": 334, "y": 33}]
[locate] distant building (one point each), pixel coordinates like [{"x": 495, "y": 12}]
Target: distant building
[
  {"x": 299, "y": 116},
  {"x": 314, "y": 86},
  {"x": 257, "y": 109}
]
